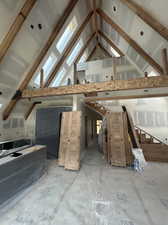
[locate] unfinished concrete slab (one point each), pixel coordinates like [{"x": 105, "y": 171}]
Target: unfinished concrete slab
[{"x": 97, "y": 194}]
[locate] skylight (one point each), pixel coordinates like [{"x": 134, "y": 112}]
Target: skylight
[
  {"x": 83, "y": 58},
  {"x": 68, "y": 33},
  {"x": 152, "y": 74},
  {"x": 74, "y": 53},
  {"x": 47, "y": 67},
  {"x": 115, "y": 53},
  {"x": 59, "y": 77}
]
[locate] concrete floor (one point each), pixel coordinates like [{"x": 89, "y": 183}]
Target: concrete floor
[{"x": 96, "y": 195}]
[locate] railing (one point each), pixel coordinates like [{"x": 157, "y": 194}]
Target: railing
[
  {"x": 97, "y": 107},
  {"x": 140, "y": 132}
]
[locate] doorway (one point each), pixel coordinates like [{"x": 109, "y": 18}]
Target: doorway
[{"x": 48, "y": 124}]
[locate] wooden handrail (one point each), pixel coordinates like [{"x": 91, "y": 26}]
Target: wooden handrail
[{"x": 149, "y": 135}]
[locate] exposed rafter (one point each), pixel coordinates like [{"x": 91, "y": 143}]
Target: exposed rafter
[
  {"x": 68, "y": 50},
  {"x": 124, "y": 97},
  {"x": 92, "y": 53},
  {"x": 95, "y": 17},
  {"x": 111, "y": 43},
  {"x": 141, "y": 52},
  {"x": 71, "y": 5},
  {"x": 104, "y": 50},
  {"x": 30, "y": 110},
  {"x": 114, "y": 85},
  {"x": 147, "y": 18},
  {"x": 15, "y": 27}
]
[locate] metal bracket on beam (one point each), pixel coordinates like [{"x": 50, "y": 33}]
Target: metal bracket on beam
[{"x": 17, "y": 95}]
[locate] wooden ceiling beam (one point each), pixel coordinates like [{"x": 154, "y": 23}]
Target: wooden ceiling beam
[
  {"x": 147, "y": 17},
  {"x": 95, "y": 17},
  {"x": 104, "y": 50},
  {"x": 131, "y": 42},
  {"x": 125, "y": 97},
  {"x": 71, "y": 5},
  {"x": 111, "y": 43},
  {"x": 84, "y": 48},
  {"x": 68, "y": 50},
  {"x": 30, "y": 110},
  {"x": 15, "y": 27},
  {"x": 114, "y": 85}
]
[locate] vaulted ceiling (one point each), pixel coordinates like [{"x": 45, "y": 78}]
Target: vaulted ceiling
[{"x": 31, "y": 29}]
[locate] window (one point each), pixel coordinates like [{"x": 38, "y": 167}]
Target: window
[
  {"x": 83, "y": 58},
  {"x": 68, "y": 33},
  {"x": 152, "y": 74},
  {"x": 47, "y": 67},
  {"x": 74, "y": 53},
  {"x": 0, "y": 105},
  {"x": 59, "y": 77},
  {"x": 115, "y": 53}
]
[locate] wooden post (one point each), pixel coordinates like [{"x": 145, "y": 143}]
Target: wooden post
[
  {"x": 146, "y": 74},
  {"x": 165, "y": 61},
  {"x": 41, "y": 78},
  {"x": 114, "y": 71},
  {"x": 75, "y": 73}
]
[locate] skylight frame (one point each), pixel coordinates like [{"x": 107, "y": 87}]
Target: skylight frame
[
  {"x": 47, "y": 67},
  {"x": 74, "y": 53},
  {"x": 115, "y": 53},
  {"x": 67, "y": 35},
  {"x": 59, "y": 76}
]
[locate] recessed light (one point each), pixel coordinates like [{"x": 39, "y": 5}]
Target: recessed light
[
  {"x": 114, "y": 8},
  {"x": 40, "y": 26},
  {"x": 141, "y": 33}
]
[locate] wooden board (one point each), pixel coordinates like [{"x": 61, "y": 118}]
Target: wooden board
[
  {"x": 155, "y": 152},
  {"x": 115, "y": 135},
  {"x": 69, "y": 152},
  {"x": 114, "y": 85},
  {"x": 128, "y": 151},
  {"x": 65, "y": 133}
]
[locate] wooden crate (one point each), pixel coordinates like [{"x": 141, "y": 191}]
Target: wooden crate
[
  {"x": 69, "y": 152},
  {"x": 155, "y": 152},
  {"x": 116, "y": 155}
]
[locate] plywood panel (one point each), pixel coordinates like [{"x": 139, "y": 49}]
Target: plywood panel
[
  {"x": 69, "y": 152},
  {"x": 72, "y": 157},
  {"x": 115, "y": 133}
]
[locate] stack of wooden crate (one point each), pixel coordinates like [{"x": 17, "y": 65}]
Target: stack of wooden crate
[
  {"x": 117, "y": 145},
  {"x": 69, "y": 150}
]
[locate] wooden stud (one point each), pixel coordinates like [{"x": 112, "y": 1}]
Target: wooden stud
[
  {"x": 114, "y": 68},
  {"x": 111, "y": 43},
  {"x": 131, "y": 96},
  {"x": 68, "y": 50},
  {"x": 141, "y": 52},
  {"x": 115, "y": 85},
  {"x": 71, "y": 5},
  {"x": 75, "y": 73},
  {"x": 41, "y": 78},
  {"x": 165, "y": 61},
  {"x": 147, "y": 17},
  {"x": 15, "y": 27}
]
